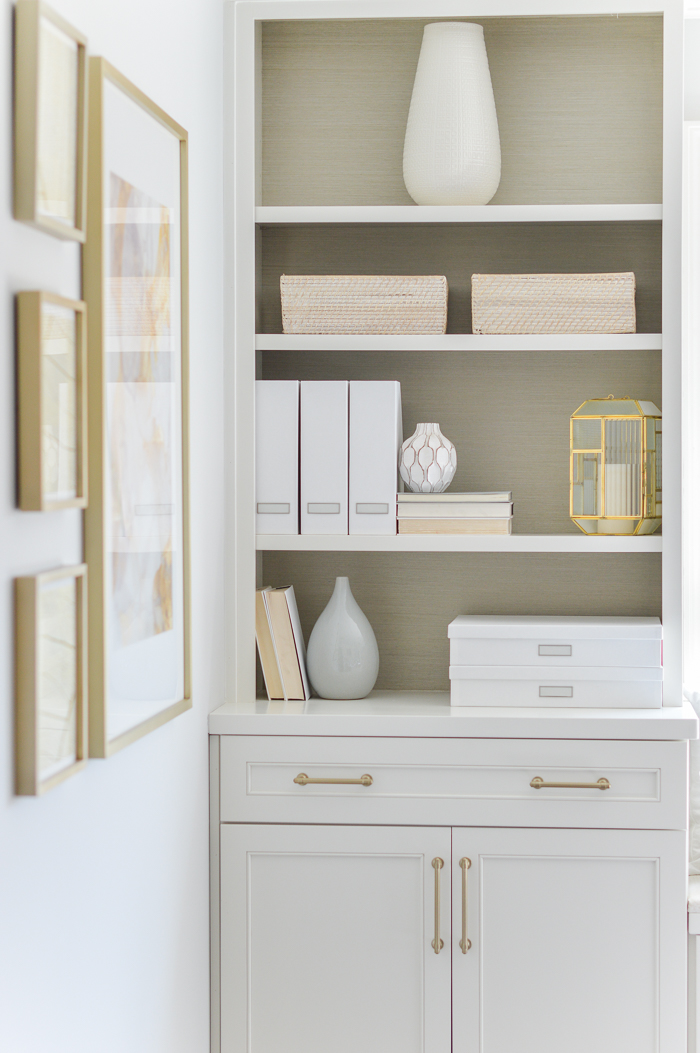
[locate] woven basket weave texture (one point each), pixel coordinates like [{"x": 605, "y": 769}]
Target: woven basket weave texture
[
  {"x": 553, "y": 303},
  {"x": 360, "y": 303}
]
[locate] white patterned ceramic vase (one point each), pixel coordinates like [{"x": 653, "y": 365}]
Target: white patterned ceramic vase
[
  {"x": 342, "y": 658},
  {"x": 428, "y": 461},
  {"x": 452, "y": 152}
]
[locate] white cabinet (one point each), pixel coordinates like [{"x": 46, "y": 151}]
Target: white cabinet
[
  {"x": 326, "y": 940},
  {"x": 575, "y": 940},
  {"x": 576, "y": 896},
  {"x": 462, "y": 782}
]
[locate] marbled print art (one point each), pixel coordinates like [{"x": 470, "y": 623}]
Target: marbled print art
[
  {"x": 57, "y": 640},
  {"x": 141, "y": 411}
]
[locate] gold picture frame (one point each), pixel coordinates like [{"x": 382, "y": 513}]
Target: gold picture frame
[
  {"x": 52, "y": 397},
  {"x": 135, "y": 282},
  {"x": 50, "y": 678},
  {"x": 50, "y": 127}
]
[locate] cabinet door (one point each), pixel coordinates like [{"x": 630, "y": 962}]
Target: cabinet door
[
  {"x": 326, "y": 940},
  {"x": 577, "y": 941}
]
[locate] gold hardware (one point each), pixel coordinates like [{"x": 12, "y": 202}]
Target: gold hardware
[
  {"x": 539, "y": 784},
  {"x": 437, "y": 944},
  {"x": 303, "y": 780},
  {"x": 464, "y": 943}
]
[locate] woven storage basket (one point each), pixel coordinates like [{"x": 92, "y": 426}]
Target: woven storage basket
[
  {"x": 553, "y": 303},
  {"x": 363, "y": 303}
]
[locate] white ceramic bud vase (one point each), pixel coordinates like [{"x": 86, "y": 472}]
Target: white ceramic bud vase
[
  {"x": 452, "y": 152},
  {"x": 342, "y": 658},
  {"x": 428, "y": 461}
]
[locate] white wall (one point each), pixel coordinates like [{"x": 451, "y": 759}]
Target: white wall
[
  {"x": 692, "y": 66},
  {"x": 103, "y": 883}
]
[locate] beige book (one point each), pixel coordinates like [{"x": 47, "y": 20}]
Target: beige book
[
  {"x": 284, "y": 622},
  {"x": 463, "y": 510},
  {"x": 455, "y": 526},
  {"x": 266, "y": 647}
]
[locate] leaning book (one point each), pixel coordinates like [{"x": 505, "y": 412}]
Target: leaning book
[
  {"x": 289, "y": 642},
  {"x": 266, "y": 647}
]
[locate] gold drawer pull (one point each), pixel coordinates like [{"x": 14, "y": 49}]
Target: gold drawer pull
[
  {"x": 437, "y": 944},
  {"x": 464, "y": 943},
  {"x": 539, "y": 784},
  {"x": 303, "y": 780}
]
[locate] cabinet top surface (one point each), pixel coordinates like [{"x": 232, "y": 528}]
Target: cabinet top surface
[{"x": 429, "y": 715}]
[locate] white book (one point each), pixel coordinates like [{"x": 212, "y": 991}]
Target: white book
[
  {"x": 454, "y": 497},
  {"x": 376, "y": 434},
  {"x": 324, "y": 456},
  {"x": 298, "y": 639},
  {"x": 277, "y": 456},
  {"x": 456, "y": 510}
]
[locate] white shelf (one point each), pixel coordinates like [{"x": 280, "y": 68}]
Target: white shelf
[
  {"x": 463, "y": 342},
  {"x": 429, "y": 714},
  {"x": 283, "y": 215},
  {"x": 455, "y": 543}
]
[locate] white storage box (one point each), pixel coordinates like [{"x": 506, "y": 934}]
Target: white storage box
[
  {"x": 577, "y": 687},
  {"x": 540, "y": 641},
  {"x": 538, "y": 661}
]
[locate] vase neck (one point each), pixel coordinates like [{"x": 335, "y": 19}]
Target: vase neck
[
  {"x": 453, "y": 29},
  {"x": 428, "y": 429},
  {"x": 342, "y": 588}
]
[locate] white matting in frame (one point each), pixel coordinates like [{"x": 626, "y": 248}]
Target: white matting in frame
[{"x": 143, "y": 573}]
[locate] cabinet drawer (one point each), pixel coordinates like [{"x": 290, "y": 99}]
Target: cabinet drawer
[{"x": 453, "y": 781}]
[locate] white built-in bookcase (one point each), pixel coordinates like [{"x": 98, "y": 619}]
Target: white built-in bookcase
[{"x": 589, "y": 101}]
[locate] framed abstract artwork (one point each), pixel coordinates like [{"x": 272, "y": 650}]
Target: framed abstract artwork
[
  {"x": 136, "y": 523},
  {"x": 52, "y": 389},
  {"x": 50, "y": 678},
  {"x": 50, "y": 122}
]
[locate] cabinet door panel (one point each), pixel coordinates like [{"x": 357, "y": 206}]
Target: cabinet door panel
[
  {"x": 577, "y": 942},
  {"x": 326, "y": 940}
]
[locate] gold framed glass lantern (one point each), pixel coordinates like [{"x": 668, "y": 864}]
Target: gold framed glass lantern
[{"x": 615, "y": 469}]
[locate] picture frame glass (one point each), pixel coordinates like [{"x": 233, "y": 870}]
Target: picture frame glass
[
  {"x": 59, "y": 402},
  {"x": 57, "y": 124},
  {"x": 143, "y": 488},
  {"x": 57, "y": 675}
]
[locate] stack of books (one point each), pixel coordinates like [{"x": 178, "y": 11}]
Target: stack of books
[
  {"x": 281, "y": 644},
  {"x": 453, "y": 513}
]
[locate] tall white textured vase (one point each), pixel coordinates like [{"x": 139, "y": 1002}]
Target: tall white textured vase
[
  {"x": 452, "y": 152},
  {"x": 342, "y": 658}
]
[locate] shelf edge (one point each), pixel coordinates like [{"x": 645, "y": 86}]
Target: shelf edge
[
  {"x": 460, "y": 342},
  {"x": 574, "y": 543}
]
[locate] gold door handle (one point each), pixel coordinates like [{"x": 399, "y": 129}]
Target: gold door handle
[
  {"x": 437, "y": 944},
  {"x": 538, "y": 784},
  {"x": 303, "y": 780},
  {"x": 464, "y": 943}
]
